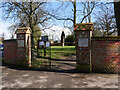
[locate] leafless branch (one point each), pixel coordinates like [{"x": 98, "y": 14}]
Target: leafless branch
[{"x": 88, "y": 14}]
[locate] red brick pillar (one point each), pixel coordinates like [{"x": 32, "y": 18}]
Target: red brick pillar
[
  {"x": 23, "y": 46},
  {"x": 83, "y": 33},
  {"x": 119, "y": 59}
]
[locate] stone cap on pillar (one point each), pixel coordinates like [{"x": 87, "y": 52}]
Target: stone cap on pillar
[
  {"x": 23, "y": 30},
  {"x": 84, "y": 26}
]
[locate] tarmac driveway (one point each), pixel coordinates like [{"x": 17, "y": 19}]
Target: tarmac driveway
[{"x": 13, "y": 78}]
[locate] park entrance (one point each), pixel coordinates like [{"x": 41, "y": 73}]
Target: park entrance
[
  {"x": 55, "y": 56},
  {"x": 47, "y": 55},
  {"x": 90, "y": 54}
]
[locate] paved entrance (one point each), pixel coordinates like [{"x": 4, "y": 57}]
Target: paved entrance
[
  {"x": 60, "y": 77},
  {"x": 14, "y": 78},
  {"x": 68, "y": 64}
]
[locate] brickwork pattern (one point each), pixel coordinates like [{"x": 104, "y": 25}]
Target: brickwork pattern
[
  {"x": 82, "y": 53},
  {"x": 105, "y": 55},
  {"x": 18, "y": 52},
  {"x": 10, "y": 51},
  {"x": 21, "y": 52},
  {"x": 83, "y": 50}
]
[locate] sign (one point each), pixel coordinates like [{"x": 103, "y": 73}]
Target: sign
[
  {"x": 41, "y": 43},
  {"x": 20, "y": 43},
  {"x": 47, "y": 44},
  {"x": 83, "y": 42},
  {"x": 44, "y": 38}
]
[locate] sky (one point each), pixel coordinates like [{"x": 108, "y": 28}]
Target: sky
[
  {"x": 58, "y": 25},
  {"x": 4, "y": 28},
  {"x": 56, "y": 35}
]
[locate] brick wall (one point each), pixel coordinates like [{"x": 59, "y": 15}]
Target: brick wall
[
  {"x": 17, "y": 55},
  {"x": 10, "y": 51},
  {"x": 97, "y": 54},
  {"x": 105, "y": 54},
  {"x": 83, "y": 52}
]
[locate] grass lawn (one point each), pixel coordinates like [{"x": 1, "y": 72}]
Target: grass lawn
[{"x": 59, "y": 52}]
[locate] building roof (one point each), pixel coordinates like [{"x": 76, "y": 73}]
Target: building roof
[{"x": 23, "y": 30}]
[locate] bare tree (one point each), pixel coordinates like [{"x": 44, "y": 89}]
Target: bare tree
[
  {"x": 25, "y": 14},
  {"x": 117, "y": 15},
  {"x": 105, "y": 20},
  {"x": 86, "y": 12}
]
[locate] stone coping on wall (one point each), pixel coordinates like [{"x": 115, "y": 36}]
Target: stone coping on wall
[
  {"x": 106, "y": 38},
  {"x": 84, "y": 26}
]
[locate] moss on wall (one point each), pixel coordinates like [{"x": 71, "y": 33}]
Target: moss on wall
[
  {"x": 106, "y": 38},
  {"x": 98, "y": 69},
  {"x": 83, "y": 68}
]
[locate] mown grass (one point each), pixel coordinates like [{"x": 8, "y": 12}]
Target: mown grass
[{"x": 58, "y": 52}]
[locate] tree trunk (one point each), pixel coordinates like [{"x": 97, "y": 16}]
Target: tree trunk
[
  {"x": 31, "y": 26},
  {"x": 74, "y": 4},
  {"x": 88, "y": 11},
  {"x": 117, "y": 15},
  {"x": 74, "y": 22}
]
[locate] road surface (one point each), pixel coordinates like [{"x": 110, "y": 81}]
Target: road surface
[{"x": 14, "y": 78}]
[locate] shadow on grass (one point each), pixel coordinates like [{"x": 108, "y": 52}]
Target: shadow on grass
[
  {"x": 51, "y": 70},
  {"x": 56, "y": 70},
  {"x": 40, "y": 69},
  {"x": 52, "y": 59}
]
